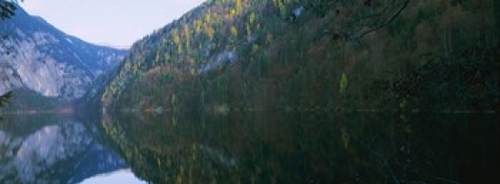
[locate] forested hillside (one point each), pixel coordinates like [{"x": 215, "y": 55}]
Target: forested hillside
[{"x": 325, "y": 55}]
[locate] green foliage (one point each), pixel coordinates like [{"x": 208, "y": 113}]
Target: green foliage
[
  {"x": 246, "y": 55},
  {"x": 27, "y": 100},
  {"x": 7, "y": 9},
  {"x": 263, "y": 147},
  {"x": 4, "y": 99},
  {"x": 343, "y": 83}
]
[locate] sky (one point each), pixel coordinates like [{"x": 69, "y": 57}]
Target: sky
[{"x": 117, "y": 23}]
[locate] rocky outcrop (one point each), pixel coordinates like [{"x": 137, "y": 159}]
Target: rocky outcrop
[{"x": 35, "y": 55}]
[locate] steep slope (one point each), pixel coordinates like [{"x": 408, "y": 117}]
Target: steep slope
[
  {"x": 39, "y": 60},
  {"x": 317, "y": 56}
]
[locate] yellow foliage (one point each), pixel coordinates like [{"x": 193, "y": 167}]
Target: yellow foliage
[
  {"x": 176, "y": 37},
  {"x": 193, "y": 71},
  {"x": 238, "y": 6},
  {"x": 234, "y": 31},
  {"x": 208, "y": 18},
  {"x": 197, "y": 26},
  {"x": 232, "y": 13},
  {"x": 186, "y": 35},
  {"x": 210, "y": 32},
  {"x": 179, "y": 49},
  {"x": 251, "y": 19}
]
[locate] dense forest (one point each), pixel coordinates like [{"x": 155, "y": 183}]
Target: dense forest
[{"x": 317, "y": 55}]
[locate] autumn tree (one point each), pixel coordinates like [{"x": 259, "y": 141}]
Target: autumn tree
[
  {"x": 210, "y": 32},
  {"x": 234, "y": 33},
  {"x": 197, "y": 26},
  {"x": 239, "y": 7},
  {"x": 187, "y": 36},
  {"x": 176, "y": 38}
]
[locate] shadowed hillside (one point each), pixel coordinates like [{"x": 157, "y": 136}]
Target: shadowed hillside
[{"x": 317, "y": 55}]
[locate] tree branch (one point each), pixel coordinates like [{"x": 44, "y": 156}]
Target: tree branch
[{"x": 386, "y": 23}]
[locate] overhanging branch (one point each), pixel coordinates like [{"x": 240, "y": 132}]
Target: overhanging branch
[{"x": 387, "y": 22}]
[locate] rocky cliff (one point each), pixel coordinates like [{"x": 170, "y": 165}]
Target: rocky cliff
[{"x": 38, "y": 58}]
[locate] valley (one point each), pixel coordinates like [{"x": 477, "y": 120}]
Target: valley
[
  {"x": 271, "y": 91},
  {"x": 45, "y": 67}
]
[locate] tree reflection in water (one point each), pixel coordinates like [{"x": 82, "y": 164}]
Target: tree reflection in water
[{"x": 276, "y": 147}]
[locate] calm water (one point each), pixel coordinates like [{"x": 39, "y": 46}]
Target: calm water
[
  {"x": 48, "y": 148},
  {"x": 251, "y": 147}
]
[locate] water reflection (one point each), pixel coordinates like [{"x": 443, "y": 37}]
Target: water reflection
[
  {"x": 276, "y": 147},
  {"x": 251, "y": 147},
  {"x": 45, "y": 148},
  {"x": 120, "y": 176}
]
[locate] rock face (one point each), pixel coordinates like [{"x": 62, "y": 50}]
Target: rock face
[{"x": 36, "y": 56}]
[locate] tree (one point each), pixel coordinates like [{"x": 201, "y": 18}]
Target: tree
[
  {"x": 238, "y": 7},
  {"x": 177, "y": 40},
  {"x": 234, "y": 31},
  {"x": 251, "y": 19},
  {"x": 343, "y": 83},
  {"x": 249, "y": 24},
  {"x": 5, "y": 97},
  {"x": 355, "y": 20},
  {"x": 187, "y": 37},
  {"x": 197, "y": 26},
  {"x": 7, "y": 9},
  {"x": 210, "y": 32}
]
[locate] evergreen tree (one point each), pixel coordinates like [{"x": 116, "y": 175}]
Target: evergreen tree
[{"x": 7, "y": 9}]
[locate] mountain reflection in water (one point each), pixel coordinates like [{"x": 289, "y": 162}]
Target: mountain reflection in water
[
  {"x": 251, "y": 147},
  {"x": 120, "y": 176},
  {"x": 46, "y": 148},
  {"x": 279, "y": 147}
]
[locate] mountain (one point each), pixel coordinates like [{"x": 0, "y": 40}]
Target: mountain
[
  {"x": 41, "y": 63},
  {"x": 320, "y": 55}
]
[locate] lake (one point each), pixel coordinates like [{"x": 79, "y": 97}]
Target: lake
[{"x": 250, "y": 147}]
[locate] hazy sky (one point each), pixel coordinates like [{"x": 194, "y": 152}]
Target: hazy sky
[{"x": 110, "y": 22}]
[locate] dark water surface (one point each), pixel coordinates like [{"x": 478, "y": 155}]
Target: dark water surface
[
  {"x": 253, "y": 147},
  {"x": 276, "y": 147}
]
